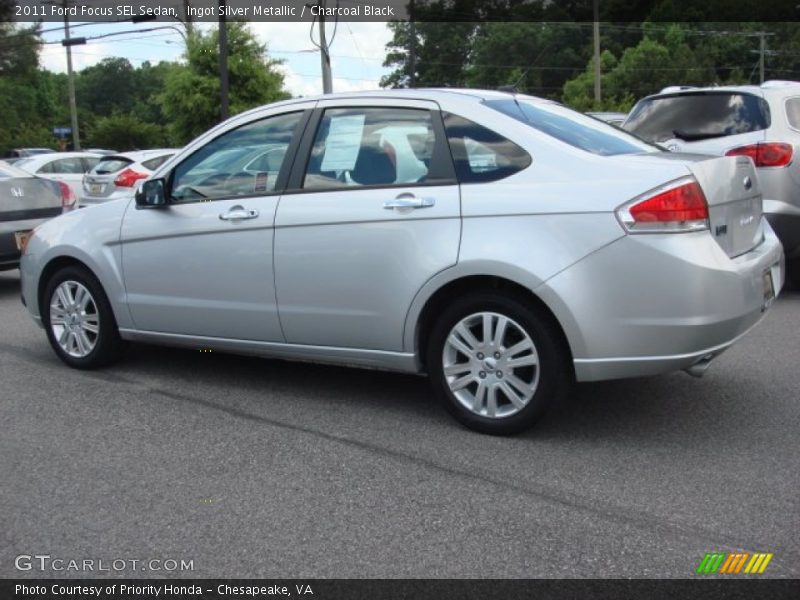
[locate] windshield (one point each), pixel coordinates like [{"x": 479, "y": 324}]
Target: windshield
[
  {"x": 572, "y": 127},
  {"x": 698, "y": 116}
]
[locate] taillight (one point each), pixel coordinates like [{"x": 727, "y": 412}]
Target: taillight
[
  {"x": 67, "y": 197},
  {"x": 128, "y": 178},
  {"x": 765, "y": 154},
  {"x": 681, "y": 206}
]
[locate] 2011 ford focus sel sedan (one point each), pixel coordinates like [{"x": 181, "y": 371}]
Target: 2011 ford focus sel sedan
[{"x": 500, "y": 243}]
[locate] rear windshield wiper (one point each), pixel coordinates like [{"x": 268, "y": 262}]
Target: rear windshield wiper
[{"x": 693, "y": 136}]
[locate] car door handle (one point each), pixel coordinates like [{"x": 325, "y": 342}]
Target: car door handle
[
  {"x": 237, "y": 213},
  {"x": 409, "y": 201}
]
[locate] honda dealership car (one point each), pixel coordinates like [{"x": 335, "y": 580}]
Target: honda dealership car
[
  {"x": 502, "y": 244},
  {"x": 762, "y": 122}
]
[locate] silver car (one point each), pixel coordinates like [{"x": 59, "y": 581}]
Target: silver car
[
  {"x": 762, "y": 122},
  {"x": 502, "y": 244}
]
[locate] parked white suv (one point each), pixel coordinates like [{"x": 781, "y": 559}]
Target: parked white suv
[{"x": 762, "y": 122}]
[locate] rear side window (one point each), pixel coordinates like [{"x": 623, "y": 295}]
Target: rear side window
[
  {"x": 572, "y": 127},
  {"x": 480, "y": 154},
  {"x": 63, "y": 165},
  {"x": 110, "y": 165},
  {"x": 154, "y": 163},
  {"x": 793, "y": 112},
  {"x": 698, "y": 116}
]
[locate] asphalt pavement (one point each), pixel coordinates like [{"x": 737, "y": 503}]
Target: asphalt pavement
[{"x": 263, "y": 468}]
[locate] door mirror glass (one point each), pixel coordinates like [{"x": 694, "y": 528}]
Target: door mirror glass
[{"x": 151, "y": 193}]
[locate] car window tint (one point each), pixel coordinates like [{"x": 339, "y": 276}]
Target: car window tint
[
  {"x": 154, "y": 163},
  {"x": 110, "y": 165},
  {"x": 90, "y": 163},
  {"x": 65, "y": 166},
  {"x": 793, "y": 112},
  {"x": 572, "y": 127},
  {"x": 481, "y": 154},
  {"x": 371, "y": 146},
  {"x": 697, "y": 116},
  {"x": 224, "y": 168}
]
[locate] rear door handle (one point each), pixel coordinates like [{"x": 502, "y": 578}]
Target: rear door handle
[
  {"x": 238, "y": 213},
  {"x": 409, "y": 201}
]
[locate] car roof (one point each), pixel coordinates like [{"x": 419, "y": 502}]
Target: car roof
[
  {"x": 768, "y": 87},
  {"x": 140, "y": 155},
  {"x": 45, "y": 157}
]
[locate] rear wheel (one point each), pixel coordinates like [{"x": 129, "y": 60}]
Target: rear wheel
[
  {"x": 496, "y": 364},
  {"x": 78, "y": 319}
]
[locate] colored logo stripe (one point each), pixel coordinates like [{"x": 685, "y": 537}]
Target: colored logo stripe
[{"x": 733, "y": 563}]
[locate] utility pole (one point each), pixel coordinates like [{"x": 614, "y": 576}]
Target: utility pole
[
  {"x": 596, "y": 35},
  {"x": 412, "y": 49},
  {"x": 223, "y": 62},
  {"x": 761, "y": 52},
  {"x": 187, "y": 18},
  {"x": 325, "y": 57},
  {"x": 73, "y": 106}
]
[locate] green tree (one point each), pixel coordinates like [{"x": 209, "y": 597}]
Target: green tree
[
  {"x": 191, "y": 96},
  {"x": 125, "y": 132}
]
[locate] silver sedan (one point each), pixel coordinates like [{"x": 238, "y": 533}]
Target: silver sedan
[{"x": 502, "y": 244}]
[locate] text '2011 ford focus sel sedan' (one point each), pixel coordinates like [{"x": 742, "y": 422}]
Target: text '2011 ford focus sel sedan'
[{"x": 503, "y": 244}]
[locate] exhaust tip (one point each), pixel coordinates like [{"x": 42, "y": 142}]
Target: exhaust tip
[{"x": 699, "y": 368}]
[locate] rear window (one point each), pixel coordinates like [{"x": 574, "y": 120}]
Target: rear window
[
  {"x": 698, "y": 116},
  {"x": 110, "y": 165},
  {"x": 154, "y": 163},
  {"x": 573, "y": 128},
  {"x": 793, "y": 112}
]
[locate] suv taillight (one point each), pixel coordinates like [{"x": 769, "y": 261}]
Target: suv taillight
[
  {"x": 128, "y": 178},
  {"x": 765, "y": 154},
  {"x": 678, "y": 207},
  {"x": 67, "y": 197}
]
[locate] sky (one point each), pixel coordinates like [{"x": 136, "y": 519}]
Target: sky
[{"x": 357, "y": 50}]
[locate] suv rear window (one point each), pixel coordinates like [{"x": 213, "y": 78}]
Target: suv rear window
[
  {"x": 698, "y": 116},
  {"x": 571, "y": 127},
  {"x": 110, "y": 164}
]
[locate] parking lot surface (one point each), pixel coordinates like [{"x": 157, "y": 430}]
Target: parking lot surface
[{"x": 264, "y": 468}]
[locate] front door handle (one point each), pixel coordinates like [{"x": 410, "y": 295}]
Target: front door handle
[
  {"x": 238, "y": 213},
  {"x": 409, "y": 201}
]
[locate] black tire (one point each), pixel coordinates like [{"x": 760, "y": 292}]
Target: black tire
[
  {"x": 555, "y": 374},
  {"x": 793, "y": 274},
  {"x": 108, "y": 346}
]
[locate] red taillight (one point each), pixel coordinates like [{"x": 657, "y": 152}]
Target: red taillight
[
  {"x": 765, "y": 154},
  {"x": 681, "y": 207},
  {"x": 128, "y": 178},
  {"x": 67, "y": 197}
]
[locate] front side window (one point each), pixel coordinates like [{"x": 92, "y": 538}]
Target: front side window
[
  {"x": 371, "y": 146},
  {"x": 231, "y": 166},
  {"x": 480, "y": 154}
]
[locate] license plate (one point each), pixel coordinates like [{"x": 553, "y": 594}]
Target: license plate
[
  {"x": 96, "y": 188},
  {"x": 22, "y": 237},
  {"x": 769, "y": 289}
]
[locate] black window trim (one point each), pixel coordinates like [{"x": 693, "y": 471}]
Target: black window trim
[
  {"x": 283, "y": 174},
  {"x": 441, "y": 158}
]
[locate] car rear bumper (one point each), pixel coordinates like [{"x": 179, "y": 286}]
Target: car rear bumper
[{"x": 652, "y": 304}]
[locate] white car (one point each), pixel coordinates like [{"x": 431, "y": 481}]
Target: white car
[
  {"x": 116, "y": 175},
  {"x": 66, "y": 167}
]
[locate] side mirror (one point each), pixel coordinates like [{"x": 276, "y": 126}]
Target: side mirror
[{"x": 152, "y": 193}]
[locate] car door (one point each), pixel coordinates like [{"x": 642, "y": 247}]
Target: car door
[
  {"x": 371, "y": 213},
  {"x": 202, "y": 264}
]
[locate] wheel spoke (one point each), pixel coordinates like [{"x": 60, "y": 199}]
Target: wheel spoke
[
  {"x": 456, "y": 342},
  {"x": 500, "y": 331},
  {"x": 480, "y": 395},
  {"x": 523, "y": 388},
  {"x": 515, "y": 399},
  {"x": 525, "y": 344},
  {"x": 491, "y": 401},
  {"x": 62, "y": 297},
  {"x": 467, "y": 337},
  {"x": 90, "y": 327},
  {"x": 528, "y": 360},
  {"x": 63, "y": 338},
  {"x": 457, "y": 369},
  {"x": 462, "y": 382},
  {"x": 487, "y": 328},
  {"x": 83, "y": 341}
]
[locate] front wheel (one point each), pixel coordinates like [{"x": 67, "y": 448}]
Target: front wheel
[
  {"x": 78, "y": 319},
  {"x": 496, "y": 363}
]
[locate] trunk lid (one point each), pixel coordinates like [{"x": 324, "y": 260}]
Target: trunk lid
[
  {"x": 23, "y": 198},
  {"x": 99, "y": 182},
  {"x": 733, "y": 192}
]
